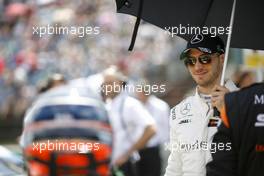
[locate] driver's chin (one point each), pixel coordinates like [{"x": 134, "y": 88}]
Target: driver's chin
[{"x": 201, "y": 82}]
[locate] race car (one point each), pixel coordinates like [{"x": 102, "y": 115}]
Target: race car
[{"x": 67, "y": 132}]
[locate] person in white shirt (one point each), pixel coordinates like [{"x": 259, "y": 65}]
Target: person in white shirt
[
  {"x": 192, "y": 121},
  {"x": 132, "y": 125},
  {"x": 91, "y": 83},
  {"x": 150, "y": 163}
]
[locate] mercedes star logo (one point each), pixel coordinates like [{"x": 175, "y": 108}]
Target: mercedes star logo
[
  {"x": 185, "y": 109},
  {"x": 197, "y": 38}
]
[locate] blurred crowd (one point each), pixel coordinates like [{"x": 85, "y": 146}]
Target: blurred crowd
[{"x": 26, "y": 59}]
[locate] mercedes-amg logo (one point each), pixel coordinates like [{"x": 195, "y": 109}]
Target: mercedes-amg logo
[
  {"x": 197, "y": 38},
  {"x": 185, "y": 109}
]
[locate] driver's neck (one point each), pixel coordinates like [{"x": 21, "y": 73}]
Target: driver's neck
[
  {"x": 205, "y": 90},
  {"x": 208, "y": 89}
]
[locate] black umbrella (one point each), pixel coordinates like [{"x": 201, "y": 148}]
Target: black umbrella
[
  {"x": 245, "y": 25},
  {"x": 248, "y": 28},
  {"x": 243, "y": 19}
]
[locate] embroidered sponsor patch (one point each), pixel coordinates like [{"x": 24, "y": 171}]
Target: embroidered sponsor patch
[
  {"x": 173, "y": 114},
  {"x": 214, "y": 122},
  {"x": 185, "y": 121}
]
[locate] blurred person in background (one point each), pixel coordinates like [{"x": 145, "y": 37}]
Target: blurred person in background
[
  {"x": 93, "y": 82},
  {"x": 192, "y": 121},
  {"x": 53, "y": 81},
  {"x": 132, "y": 125},
  {"x": 244, "y": 78},
  {"x": 243, "y": 128},
  {"x": 150, "y": 163}
]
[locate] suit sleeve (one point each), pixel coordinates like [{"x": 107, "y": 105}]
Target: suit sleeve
[{"x": 174, "y": 162}]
